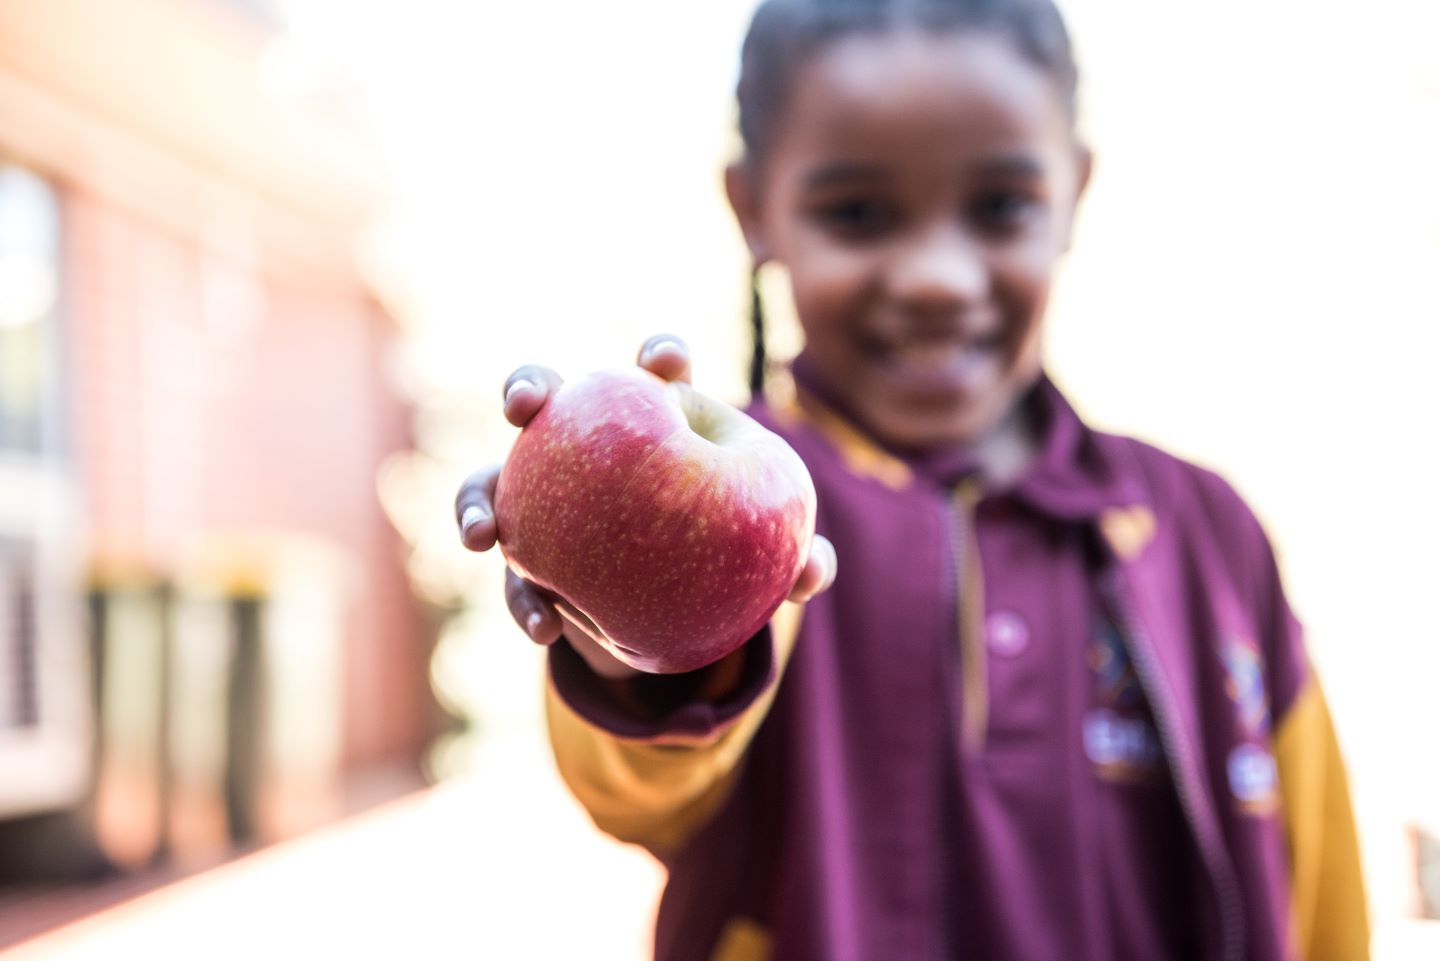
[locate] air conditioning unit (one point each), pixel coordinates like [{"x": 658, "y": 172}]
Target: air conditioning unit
[{"x": 45, "y": 716}]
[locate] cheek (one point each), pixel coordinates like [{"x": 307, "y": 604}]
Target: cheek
[
  {"x": 830, "y": 279},
  {"x": 1023, "y": 280}
]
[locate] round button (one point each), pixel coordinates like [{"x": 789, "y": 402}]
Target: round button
[{"x": 1007, "y": 633}]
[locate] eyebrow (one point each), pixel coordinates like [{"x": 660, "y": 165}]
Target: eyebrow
[
  {"x": 1010, "y": 165},
  {"x": 851, "y": 171},
  {"x": 842, "y": 172}
]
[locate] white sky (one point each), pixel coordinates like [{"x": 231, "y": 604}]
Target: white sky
[{"x": 559, "y": 168}]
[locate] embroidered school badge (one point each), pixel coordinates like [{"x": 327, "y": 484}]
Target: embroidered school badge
[
  {"x": 1117, "y": 686},
  {"x": 1246, "y": 686},
  {"x": 1250, "y": 767},
  {"x": 1254, "y": 779},
  {"x": 1118, "y": 731}
]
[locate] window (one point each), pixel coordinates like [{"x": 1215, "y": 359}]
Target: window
[
  {"x": 44, "y": 728},
  {"x": 29, "y": 292}
]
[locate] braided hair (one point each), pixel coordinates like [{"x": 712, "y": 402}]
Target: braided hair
[{"x": 785, "y": 33}]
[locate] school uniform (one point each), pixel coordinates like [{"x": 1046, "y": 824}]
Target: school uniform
[{"x": 1070, "y": 719}]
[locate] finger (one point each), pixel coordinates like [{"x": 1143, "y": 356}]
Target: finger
[
  {"x": 526, "y": 391},
  {"x": 474, "y": 511},
  {"x": 600, "y": 660},
  {"x": 536, "y": 616},
  {"x": 666, "y": 356},
  {"x": 819, "y": 572}
]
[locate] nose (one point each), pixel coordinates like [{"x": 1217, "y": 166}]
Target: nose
[{"x": 939, "y": 271}]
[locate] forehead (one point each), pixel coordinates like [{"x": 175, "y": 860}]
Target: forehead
[{"x": 921, "y": 94}]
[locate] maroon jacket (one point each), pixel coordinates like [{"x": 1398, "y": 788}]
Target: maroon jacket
[{"x": 874, "y": 787}]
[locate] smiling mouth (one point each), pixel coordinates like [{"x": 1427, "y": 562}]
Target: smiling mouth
[{"x": 938, "y": 366}]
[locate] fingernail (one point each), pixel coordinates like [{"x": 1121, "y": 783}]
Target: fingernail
[
  {"x": 662, "y": 345},
  {"x": 532, "y": 623},
  {"x": 516, "y": 386},
  {"x": 471, "y": 516}
]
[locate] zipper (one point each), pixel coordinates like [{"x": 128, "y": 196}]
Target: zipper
[
  {"x": 970, "y": 580},
  {"x": 1217, "y": 860}
]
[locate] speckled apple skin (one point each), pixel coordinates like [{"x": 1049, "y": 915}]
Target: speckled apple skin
[{"x": 677, "y": 548}]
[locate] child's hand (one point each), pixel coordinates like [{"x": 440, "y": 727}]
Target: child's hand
[{"x": 537, "y": 611}]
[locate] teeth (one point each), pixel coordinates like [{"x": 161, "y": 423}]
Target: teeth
[{"x": 940, "y": 355}]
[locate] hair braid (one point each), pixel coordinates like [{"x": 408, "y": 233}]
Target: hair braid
[{"x": 757, "y": 335}]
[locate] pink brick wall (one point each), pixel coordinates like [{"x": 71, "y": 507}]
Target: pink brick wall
[{"x": 210, "y": 400}]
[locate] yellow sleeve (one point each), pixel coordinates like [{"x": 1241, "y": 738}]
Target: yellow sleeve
[
  {"x": 1330, "y": 912},
  {"x": 659, "y": 792}
]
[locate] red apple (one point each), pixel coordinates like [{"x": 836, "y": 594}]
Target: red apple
[{"x": 671, "y": 523}]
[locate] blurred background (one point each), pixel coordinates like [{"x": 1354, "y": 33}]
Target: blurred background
[{"x": 264, "y": 265}]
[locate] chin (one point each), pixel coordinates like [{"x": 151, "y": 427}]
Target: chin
[{"x": 925, "y": 427}]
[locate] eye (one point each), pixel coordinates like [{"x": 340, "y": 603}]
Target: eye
[
  {"x": 1004, "y": 212},
  {"x": 856, "y": 218}
]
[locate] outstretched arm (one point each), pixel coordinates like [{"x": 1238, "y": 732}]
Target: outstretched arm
[{"x": 651, "y": 757}]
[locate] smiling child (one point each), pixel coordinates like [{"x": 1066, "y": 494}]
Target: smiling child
[{"x": 1054, "y": 704}]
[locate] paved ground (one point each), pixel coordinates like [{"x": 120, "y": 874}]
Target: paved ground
[{"x": 501, "y": 864}]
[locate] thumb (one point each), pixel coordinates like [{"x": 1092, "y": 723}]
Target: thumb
[{"x": 819, "y": 572}]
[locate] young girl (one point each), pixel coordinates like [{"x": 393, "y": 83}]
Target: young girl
[{"x": 1054, "y": 705}]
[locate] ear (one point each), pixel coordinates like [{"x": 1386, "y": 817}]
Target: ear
[
  {"x": 742, "y": 189},
  {"x": 1084, "y": 166}
]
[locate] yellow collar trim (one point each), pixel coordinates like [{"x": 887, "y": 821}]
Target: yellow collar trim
[{"x": 793, "y": 406}]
